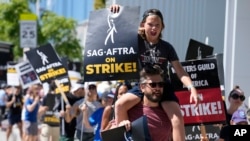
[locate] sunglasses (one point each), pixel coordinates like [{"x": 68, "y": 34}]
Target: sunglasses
[
  {"x": 236, "y": 96},
  {"x": 155, "y": 84}
]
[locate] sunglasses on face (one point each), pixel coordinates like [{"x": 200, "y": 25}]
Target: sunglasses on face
[
  {"x": 156, "y": 84},
  {"x": 236, "y": 96}
]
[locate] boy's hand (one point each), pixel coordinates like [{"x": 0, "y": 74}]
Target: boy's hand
[
  {"x": 194, "y": 97},
  {"x": 115, "y": 8}
]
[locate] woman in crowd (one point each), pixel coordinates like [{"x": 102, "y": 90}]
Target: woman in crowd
[
  {"x": 108, "y": 114},
  {"x": 236, "y": 98}
]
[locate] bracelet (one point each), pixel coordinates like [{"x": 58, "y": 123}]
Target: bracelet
[{"x": 189, "y": 87}]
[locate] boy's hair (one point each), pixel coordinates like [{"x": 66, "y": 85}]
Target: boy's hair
[{"x": 149, "y": 70}]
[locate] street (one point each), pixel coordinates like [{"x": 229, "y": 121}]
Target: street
[{"x": 14, "y": 136}]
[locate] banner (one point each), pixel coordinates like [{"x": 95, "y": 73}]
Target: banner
[
  {"x": 204, "y": 75},
  {"x": 27, "y": 75},
  {"x": 111, "y": 45}
]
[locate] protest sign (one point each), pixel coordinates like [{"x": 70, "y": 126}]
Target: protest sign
[
  {"x": 48, "y": 66},
  {"x": 27, "y": 75},
  {"x": 204, "y": 75},
  {"x": 139, "y": 132},
  {"x": 198, "y": 50},
  {"x": 46, "y": 63},
  {"x": 111, "y": 45},
  {"x": 12, "y": 74},
  {"x": 193, "y": 133}
]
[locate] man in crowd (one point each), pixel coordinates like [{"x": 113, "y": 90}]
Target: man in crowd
[
  {"x": 15, "y": 104},
  {"x": 68, "y": 121},
  {"x": 151, "y": 85}
]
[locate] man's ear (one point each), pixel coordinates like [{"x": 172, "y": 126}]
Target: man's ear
[{"x": 142, "y": 86}]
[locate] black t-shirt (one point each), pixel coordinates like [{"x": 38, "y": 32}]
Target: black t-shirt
[
  {"x": 52, "y": 101},
  {"x": 69, "y": 130},
  {"x": 16, "y": 107},
  {"x": 161, "y": 53}
]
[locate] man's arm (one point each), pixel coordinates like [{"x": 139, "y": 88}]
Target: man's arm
[{"x": 71, "y": 112}]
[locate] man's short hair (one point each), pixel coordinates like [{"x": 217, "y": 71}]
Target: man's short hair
[{"x": 149, "y": 70}]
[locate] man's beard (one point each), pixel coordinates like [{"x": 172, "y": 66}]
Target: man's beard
[{"x": 153, "y": 98}]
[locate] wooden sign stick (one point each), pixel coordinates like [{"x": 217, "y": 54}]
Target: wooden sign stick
[{"x": 203, "y": 132}]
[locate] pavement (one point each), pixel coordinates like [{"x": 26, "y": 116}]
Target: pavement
[{"x": 15, "y": 136}]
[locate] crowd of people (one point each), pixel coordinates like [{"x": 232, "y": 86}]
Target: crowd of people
[{"x": 47, "y": 117}]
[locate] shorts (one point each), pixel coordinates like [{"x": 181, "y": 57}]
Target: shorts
[
  {"x": 168, "y": 92},
  {"x": 48, "y": 131},
  {"x": 13, "y": 119},
  {"x": 30, "y": 128}
]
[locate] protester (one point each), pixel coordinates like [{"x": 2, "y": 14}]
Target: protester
[
  {"x": 15, "y": 104},
  {"x": 85, "y": 132},
  {"x": 154, "y": 50},
  {"x": 151, "y": 85},
  {"x": 67, "y": 127},
  {"x": 95, "y": 118},
  {"x": 50, "y": 130},
  {"x": 31, "y": 106},
  {"x": 108, "y": 118},
  {"x": 238, "y": 118},
  {"x": 236, "y": 98}
]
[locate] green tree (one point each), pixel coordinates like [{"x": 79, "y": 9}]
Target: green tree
[
  {"x": 52, "y": 28},
  {"x": 9, "y": 22},
  {"x": 99, "y": 4},
  {"x": 60, "y": 32}
]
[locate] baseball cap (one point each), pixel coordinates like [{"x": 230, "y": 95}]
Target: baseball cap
[
  {"x": 106, "y": 95},
  {"x": 76, "y": 86},
  {"x": 239, "y": 116},
  {"x": 110, "y": 95}
]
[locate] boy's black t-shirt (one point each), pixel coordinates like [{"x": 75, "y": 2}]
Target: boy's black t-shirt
[{"x": 161, "y": 53}]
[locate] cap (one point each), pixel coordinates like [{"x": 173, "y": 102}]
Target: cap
[
  {"x": 111, "y": 95},
  {"x": 76, "y": 86},
  {"x": 106, "y": 95},
  {"x": 152, "y": 12},
  {"x": 239, "y": 116}
]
